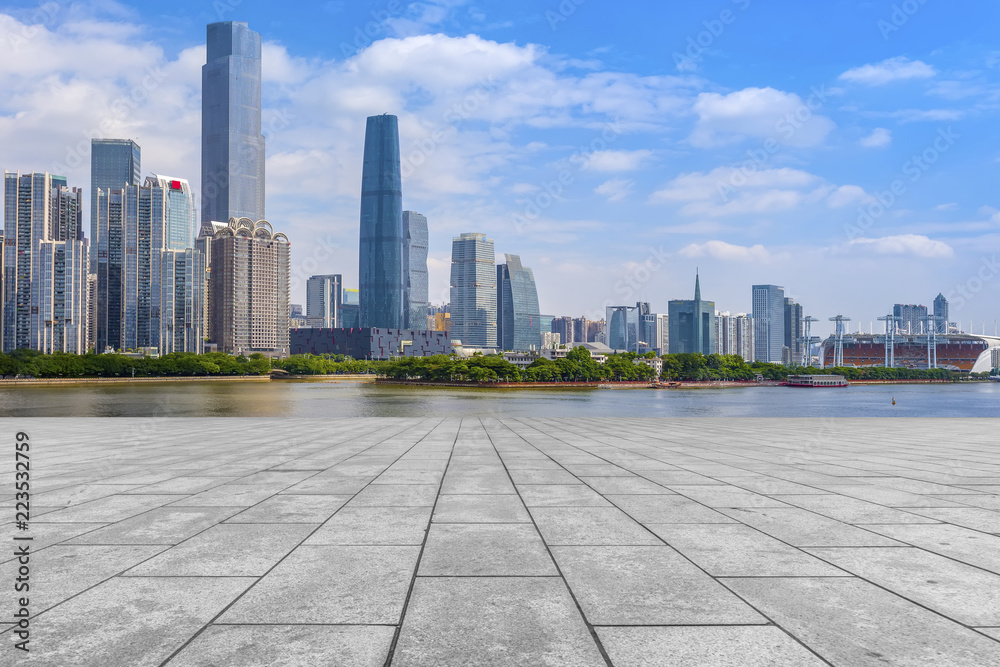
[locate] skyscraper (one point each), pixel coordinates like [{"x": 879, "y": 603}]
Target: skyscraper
[
  {"x": 415, "y": 255},
  {"x": 66, "y": 222},
  {"x": 232, "y": 146},
  {"x": 323, "y": 300},
  {"x": 473, "y": 291},
  {"x": 628, "y": 326},
  {"x": 181, "y": 213},
  {"x": 248, "y": 289},
  {"x": 769, "y": 322},
  {"x": 692, "y": 324},
  {"x": 182, "y": 301},
  {"x": 382, "y": 262},
  {"x": 793, "y": 332},
  {"x": 941, "y": 313},
  {"x": 518, "y": 320},
  {"x": 114, "y": 163},
  {"x": 911, "y": 318}
]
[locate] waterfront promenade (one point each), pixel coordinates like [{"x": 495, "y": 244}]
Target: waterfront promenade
[{"x": 556, "y": 542}]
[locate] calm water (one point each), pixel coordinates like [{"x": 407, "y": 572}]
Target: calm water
[{"x": 342, "y": 399}]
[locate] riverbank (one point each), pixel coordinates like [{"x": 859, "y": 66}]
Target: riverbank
[
  {"x": 642, "y": 384},
  {"x": 123, "y": 380}
]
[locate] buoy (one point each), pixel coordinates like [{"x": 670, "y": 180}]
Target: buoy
[{"x": 894, "y": 400}]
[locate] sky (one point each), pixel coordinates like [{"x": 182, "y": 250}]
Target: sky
[{"x": 844, "y": 150}]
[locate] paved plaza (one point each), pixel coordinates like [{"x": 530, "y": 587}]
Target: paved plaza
[{"x": 521, "y": 542}]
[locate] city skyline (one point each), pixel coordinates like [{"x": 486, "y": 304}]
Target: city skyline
[{"x": 587, "y": 247}]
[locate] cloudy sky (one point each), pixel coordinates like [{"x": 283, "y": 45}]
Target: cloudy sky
[{"x": 846, "y": 151}]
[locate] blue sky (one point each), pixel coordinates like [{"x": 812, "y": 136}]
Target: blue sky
[{"x": 844, "y": 150}]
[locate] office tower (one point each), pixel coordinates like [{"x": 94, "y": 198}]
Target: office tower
[
  {"x": 627, "y": 326},
  {"x": 382, "y": 263},
  {"x": 323, "y": 300},
  {"x": 662, "y": 333},
  {"x": 248, "y": 289},
  {"x": 181, "y": 213},
  {"x": 649, "y": 332},
  {"x": 295, "y": 310},
  {"x": 114, "y": 163},
  {"x": 724, "y": 338},
  {"x": 518, "y": 320},
  {"x": 415, "y": 257},
  {"x": 580, "y": 326},
  {"x": 793, "y": 332},
  {"x": 3, "y": 294},
  {"x": 692, "y": 324},
  {"x": 912, "y": 318},
  {"x": 66, "y": 221},
  {"x": 181, "y": 301},
  {"x": 941, "y": 313},
  {"x": 769, "y": 322},
  {"x": 59, "y": 297},
  {"x": 232, "y": 146},
  {"x": 743, "y": 332},
  {"x": 473, "y": 291},
  {"x": 564, "y": 327},
  {"x": 92, "y": 309},
  {"x": 110, "y": 233}
]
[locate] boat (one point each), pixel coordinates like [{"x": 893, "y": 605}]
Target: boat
[{"x": 816, "y": 381}]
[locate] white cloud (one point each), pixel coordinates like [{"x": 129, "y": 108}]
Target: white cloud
[
  {"x": 913, "y": 245},
  {"x": 887, "y": 71},
  {"x": 759, "y": 113},
  {"x": 612, "y": 160},
  {"x": 727, "y": 252},
  {"x": 616, "y": 189},
  {"x": 847, "y": 195},
  {"x": 924, "y": 115},
  {"x": 879, "y": 138}
]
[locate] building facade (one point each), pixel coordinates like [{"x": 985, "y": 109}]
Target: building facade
[
  {"x": 382, "y": 265},
  {"x": 59, "y": 294},
  {"x": 324, "y": 300},
  {"x": 518, "y": 320},
  {"x": 182, "y": 276},
  {"x": 114, "y": 163},
  {"x": 181, "y": 216},
  {"x": 370, "y": 343},
  {"x": 473, "y": 291},
  {"x": 626, "y": 327},
  {"x": 415, "y": 254},
  {"x": 793, "y": 332},
  {"x": 769, "y": 323},
  {"x": 912, "y": 318},
  {"x": 248, "y": 289},
  {"x": 692, "y": 324},
  {"x": 941, "y": 313},
  {"x": 232, "y": 146}
]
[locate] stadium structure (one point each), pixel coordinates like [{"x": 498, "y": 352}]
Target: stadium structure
[{"x": 966, "y": 353}]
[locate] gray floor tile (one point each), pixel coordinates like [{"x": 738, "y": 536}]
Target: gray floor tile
[
  {"x": 987, "y": 521},
  {"x": 490, "y": 550},
  {"x": 46, "y": 534},
  {"x": 728, "y": 496},
  {"x": 852, "y": 510},
  {"x": 561, "y": 496},
  {"x": 374, "y": 526},
  {"x": 164, "y": 525},
  {"x": 589, "y": 526},
  {"x": 805, "y": 529},
  {"x": 291, "y": 509},
  {"x": 331, "y": 585},
  {"x": 480, "y": 509},
  {"x": 396, "y": 495},
  {"x": 287, "y": 646},
  {"x": 106, "y": 510},
  {"x": 885, "y": 496},
  {"x": 667, "y": 509},
  {"x": 735, "y": 550},
  {"x": 852, "y": 622},
  {"x": 625, "y": 485},
  {"x": 737, "y": 646},
  {"x": 78, "y": 494},
  {"x": 962, "y": 544},
  {"x": 556, "y": 476},
  {"x": 506, "y": 622},
  {"x": 229, "y": 495},
  {"x": 647, "y": 586},
  {"x": 181, "y": 485}
]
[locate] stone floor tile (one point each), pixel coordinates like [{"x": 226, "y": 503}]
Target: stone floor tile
[
  {"x": 480, "y": 509},
  {"x": 230, "y": 495},
  {"x": 46, "y": 534},
  {"x": 647, "y": 586},
  {"x": 494, "y": 622},
  {"x": 291, "y": 509},
  {"x": 735, "y": 550},
  {"x": 851, "y": 622},
  {"x": 287, "y": 646},
  {"x": 667, "y": 509},
  {"x": 987, "y": 521},
  {"x": 331, "y": 585},
  {"x": 181, "y": 486},
  {"x": 806, "y": 529},
  {"x": 383, "y": 526},
  {"x": 485, "y": 550},
  {"x": 394, "y": 476},
  {"x": 459, "y": 482},
  {"x": 727, "y": 496},
  {"x": 770, "y": 486},
  {"x": 79, "y": 494},
  {"x": 625, "y": 485},
  {"x": 734, "y": 646},
  {"x": 853, "y": 510},
  {"x": 963, "y": 544},
  {"x": 329, "y": 485},
  {"x": 589, "y": 526},
  {"x": 580, "y": 495},
  {"x": 106, "y": 510},
  {"x": 555, "y": 476},
  {"x": 885, "y": 496},
  {"x": 396, "y": 495},
  {"x": 137, "y": 622},
  {"x": 164, "y": 525}
]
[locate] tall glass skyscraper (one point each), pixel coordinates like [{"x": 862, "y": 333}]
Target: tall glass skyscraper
[
  {"x": 692, "y": 324},
  {"x": 181, "y": 213},
  {"x": 518, "y": 319},
  {"x": 941, "y": 312},
  {"x": 473, "y": 291},
  {"x": 232, "y": 146},
  {"x": 415, "y": 233},
  {"x": 383, "y": 279},
  {"x": 323, "y": 300},
  {"x": 768, "y": 322},
  {"x": 114, "y": 163}
]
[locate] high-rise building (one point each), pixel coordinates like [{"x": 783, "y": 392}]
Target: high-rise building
[
  {"x": 114, "y": 163},
  {"x": 743, "y": 332},
  {"x": 473, "y": 291},
  {"x": 182, "y": 298},
  {"x": 692, "y": 324},
  {"x": 415, "y": 257},
  {"x": 793, "y": 332},
  {"x": 382, "y": 263},
  {"x": 232, "y": 146},
  {"x": 627, "y": 326},
  {"x": 941, "y": 313},
  {"x": 181, "y": 213},
  {"x": 518, "y": 320},
  {"x": 912, "y": 318},
  {"x": 724, "y": 332},
  {"x": 92, "y": 309},
  {"x": 248, "y": 289},
  {"x": 650, "y": 334},
  {"x": 663, "y": 332},
  {"x": 45, "y": 266},
  {"x": 324, "y": 300},
  {"x": 565, "y": 328},
  {"x": 769, "y": 322}
]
